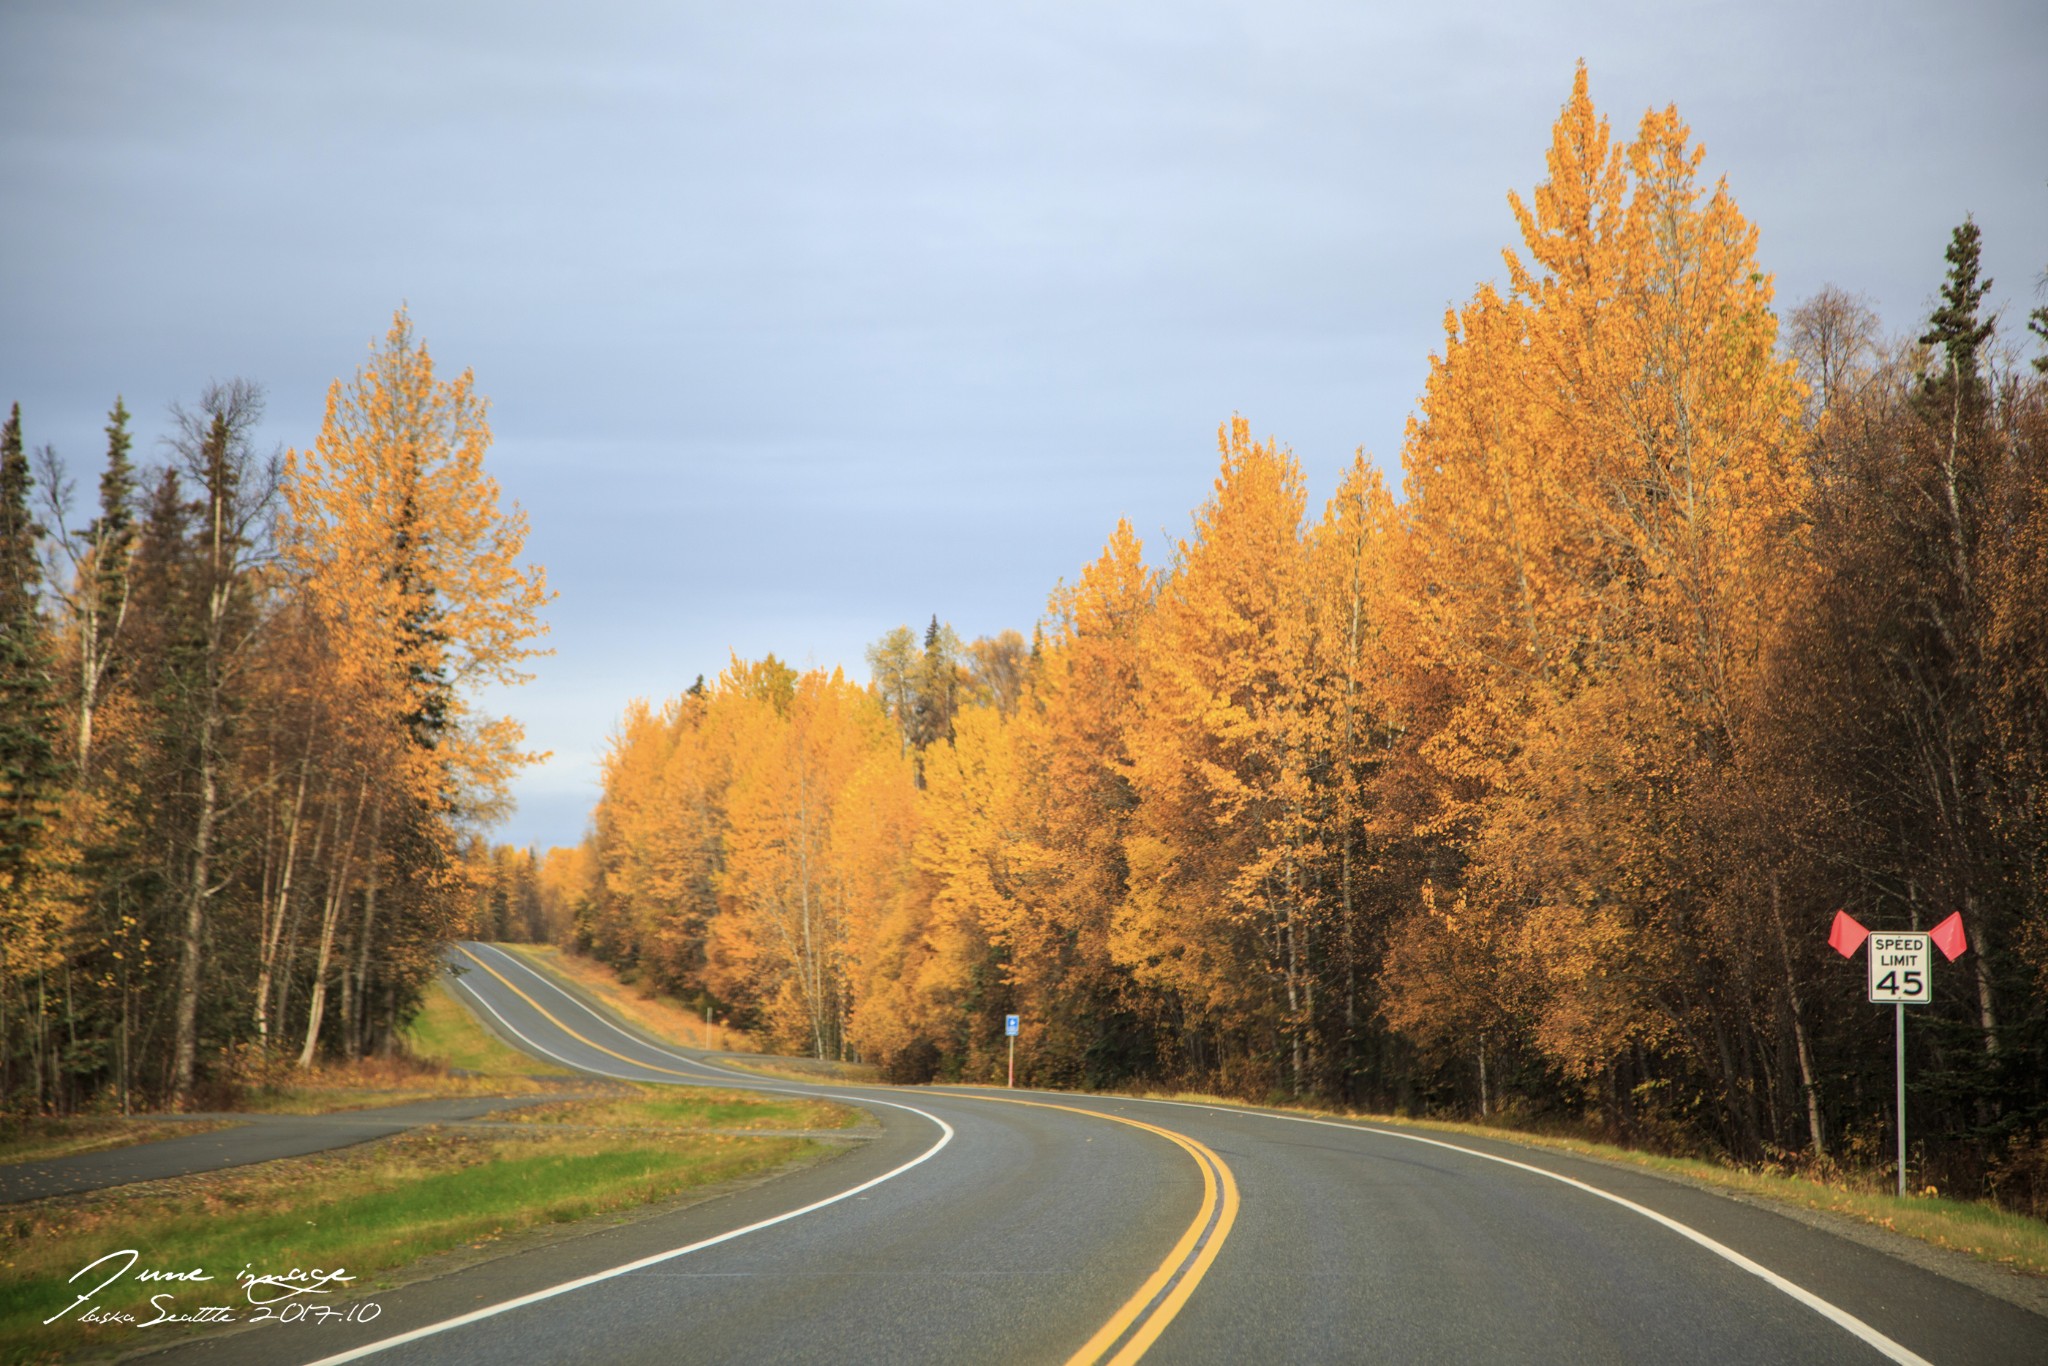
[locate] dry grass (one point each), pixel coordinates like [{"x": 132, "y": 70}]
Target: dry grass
[
  {"x": 663, "y": 1016},
  {"x": 372, "y": 1083},
  {"x": 696, "y": 1109}
]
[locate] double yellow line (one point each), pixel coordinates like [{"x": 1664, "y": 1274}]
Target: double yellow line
[
  {"x": 1144, "y": 1316},
  {"x": 1136, "y": 1325}
]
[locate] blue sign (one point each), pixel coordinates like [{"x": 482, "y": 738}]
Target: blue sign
[{"x": 1010, "y": 1025}]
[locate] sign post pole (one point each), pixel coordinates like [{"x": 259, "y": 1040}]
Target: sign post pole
[
  {"x": 1901, "y": 968},
  {"x": 1010, "y": 1023},
  {"x": 1899, "y": 1030}
]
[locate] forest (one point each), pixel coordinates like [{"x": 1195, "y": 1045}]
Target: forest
[
  {"x": 1529, "y": 793},
  {"x": 241, "y": 774}
]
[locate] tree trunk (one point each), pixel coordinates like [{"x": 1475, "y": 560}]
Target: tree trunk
[
  {"x": 1804, "y": 1049},
  {"x": 330, "y": 917},
  {"x": 273, "y": 931},
  {"x": 357, "y": 1013},
  {"x": 185, "y": 1051}
]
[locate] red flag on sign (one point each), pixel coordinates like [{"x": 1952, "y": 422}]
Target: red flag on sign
[
  {"x": 1948, "y": 936},
  {"x": 1846, "y": 936}
]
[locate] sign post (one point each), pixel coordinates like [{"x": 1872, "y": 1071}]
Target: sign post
[
  {"x": 1901, "y": 974},
  {"x": 1010, "y": 1028},
  {"x": 1900, "y": 970}
]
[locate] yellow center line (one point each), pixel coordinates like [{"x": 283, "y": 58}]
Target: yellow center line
[
  {"x": 1190, "y": 1258},
  {"x": 546, "y": 1015}
]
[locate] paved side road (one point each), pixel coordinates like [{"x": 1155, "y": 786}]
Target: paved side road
[{"x": 260, "y": 1138}]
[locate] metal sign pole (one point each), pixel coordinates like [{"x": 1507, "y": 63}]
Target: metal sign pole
[{"x": 1899, "y": 1030}]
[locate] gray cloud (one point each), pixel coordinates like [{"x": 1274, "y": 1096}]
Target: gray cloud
[{"x": 806, "y": 320}]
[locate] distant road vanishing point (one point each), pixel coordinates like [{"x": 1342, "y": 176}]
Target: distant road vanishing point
[{"x": 1030, "y": 1226}]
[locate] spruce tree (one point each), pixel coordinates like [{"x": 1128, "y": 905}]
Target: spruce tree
[
  {"x": 1954, "y": 326},
  {"x": 29, "y": 769},
  {"x": 113, "y": 533},
  {"x": 101, "y": 604}
]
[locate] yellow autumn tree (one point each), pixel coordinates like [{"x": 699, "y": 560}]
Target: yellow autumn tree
[
  {"x": 1357, "y": 741},
  {"x": 1220, "y": 908},
  {"x": 1091, "y": 1021},
  {"x": 1602, "y": 497},
  {"x": 395, "y": 534},
  {"x": 397, "y": 549},
  {"x": 784, "y": 906}
]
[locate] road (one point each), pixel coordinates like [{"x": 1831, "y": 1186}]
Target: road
[
  {"x": 254, "y": 1138},
  {"x": 983, "y": 1225}
]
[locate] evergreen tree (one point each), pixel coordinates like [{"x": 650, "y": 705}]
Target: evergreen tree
[
  {"x": 100, "y": 604},
  {"x": 1954, "y": 326},
  {"x": 29, "y": 769},
  {"x": 938, "y": 686}
]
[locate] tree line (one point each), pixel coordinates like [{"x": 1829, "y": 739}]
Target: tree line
[
  {"x": 238, "y": 751},
  {"x": 1534, "y": 790}
]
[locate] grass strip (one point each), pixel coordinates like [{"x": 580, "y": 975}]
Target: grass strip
[
  {"x": 372, "y": 1210},
  {"x": 447, "y": 1053},
  {"x": 669, "y": 1019},
  {"x": 447, "y": 1033},
  {"x": 663, "y": 1016},
  {"x": 696, "y": 1109}
]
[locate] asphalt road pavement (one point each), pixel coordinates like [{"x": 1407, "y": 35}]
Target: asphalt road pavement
[
  {"x": 994, "y": 1226},
  {"x": 255, "y": 1138}
]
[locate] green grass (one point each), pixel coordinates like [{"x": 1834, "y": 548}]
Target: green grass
[
  {"x": 447, "y": 1033},
  {"x": 372, "y": 1210}
]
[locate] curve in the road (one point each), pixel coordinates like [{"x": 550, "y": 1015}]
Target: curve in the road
[
  {"x": 1128, "y": 1333},
  {"x": 1442, "y": 1290},
  {"x": 1842, "y": 1318},
  {"x": 1144, "y": 1316}
]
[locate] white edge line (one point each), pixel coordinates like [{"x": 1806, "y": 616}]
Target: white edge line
[
  {"x": 1842, "y": 1318},
  {"x": 753, "y": 1080},
  {"x": 513, "y": 960},
  {"x": 504, "y": 1306}
]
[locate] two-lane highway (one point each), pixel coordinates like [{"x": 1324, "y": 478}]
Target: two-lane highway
[{"x": 984, "y": 1225}]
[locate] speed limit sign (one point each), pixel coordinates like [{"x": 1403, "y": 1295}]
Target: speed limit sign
[{"x": 1901, "y": 969}]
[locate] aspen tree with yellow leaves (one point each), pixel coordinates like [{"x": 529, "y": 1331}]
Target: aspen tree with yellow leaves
[
  {"x": 1353, "y": 679},
  {"x": 1098, "y": 1023},
  {"x": 394, "y": 538},
  {"x": 1605, "y": 492},
  {"x": 1220, "y": 909}
]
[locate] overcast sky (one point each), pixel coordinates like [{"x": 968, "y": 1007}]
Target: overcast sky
[{"x": 801, "y": 321}]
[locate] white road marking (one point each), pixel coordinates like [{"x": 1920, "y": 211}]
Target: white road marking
[
  {"x": 513, "y": 960},
  {"x": 505, "y": 1306},
  {"x": 1842, "y": 1318}
]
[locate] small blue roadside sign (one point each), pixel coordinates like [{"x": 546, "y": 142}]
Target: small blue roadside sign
[{"x": 1010, "y": 1025}]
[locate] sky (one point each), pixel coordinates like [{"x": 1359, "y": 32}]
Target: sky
[{"x": 803, "y": 321}]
